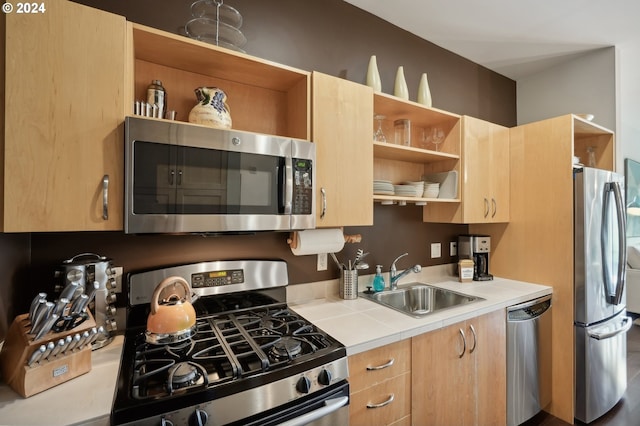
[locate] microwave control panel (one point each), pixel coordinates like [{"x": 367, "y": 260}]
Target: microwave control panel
[{"x": 302, "y": 186}]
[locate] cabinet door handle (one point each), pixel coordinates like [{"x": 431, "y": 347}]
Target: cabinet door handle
[
  {"x": 382, "y": 404},
  {"x": 486, "y": 207},
  {"x": 324, "y": 202},
  {"x": 464, "y": 344},
  {"x": 495, "y": 207},
  {"x": 383, "y": 366},
  {"x": 475, "y": 338},
  {"x": 105, "y": 197}
]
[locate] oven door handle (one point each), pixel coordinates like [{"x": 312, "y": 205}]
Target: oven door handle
[{"x": 331, "y": 405}]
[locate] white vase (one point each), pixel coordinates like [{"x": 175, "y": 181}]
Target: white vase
[
  {"x": 424, "y": 94},
  {"x": 400, "y": 89},
  {"x": 373, "y": 76}
]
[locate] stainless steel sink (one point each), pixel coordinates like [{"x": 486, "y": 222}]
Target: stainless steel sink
[{"x": 418, "y": 300}]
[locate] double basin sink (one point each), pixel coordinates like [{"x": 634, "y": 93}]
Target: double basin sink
[{"x": 419, "y": 300}]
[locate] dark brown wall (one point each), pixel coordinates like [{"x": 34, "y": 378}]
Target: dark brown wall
[{"x": 325, "y": 35}]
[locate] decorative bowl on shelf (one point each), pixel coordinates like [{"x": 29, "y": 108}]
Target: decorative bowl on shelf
[
  {"x": 215, "y": 32},
  {"x": 214, "y": 10}
]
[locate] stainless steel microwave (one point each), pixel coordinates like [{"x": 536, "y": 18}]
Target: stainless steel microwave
[{"x": 184, "y": 178}]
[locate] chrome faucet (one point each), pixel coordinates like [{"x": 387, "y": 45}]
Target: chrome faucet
[{"x": 395, "y": 277}]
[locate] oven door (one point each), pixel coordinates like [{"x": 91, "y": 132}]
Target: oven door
[
  {"x": 327, "y": 408},
  {"x": 190, "y": 179}
]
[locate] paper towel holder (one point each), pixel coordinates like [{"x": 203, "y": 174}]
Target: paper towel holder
[{"x": 293, "y": 239}]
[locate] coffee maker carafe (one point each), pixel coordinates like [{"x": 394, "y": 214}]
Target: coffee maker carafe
[{"x": 477, "y": 248}]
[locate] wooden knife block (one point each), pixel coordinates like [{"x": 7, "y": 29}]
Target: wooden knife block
[{"x": 19, "y": 346}]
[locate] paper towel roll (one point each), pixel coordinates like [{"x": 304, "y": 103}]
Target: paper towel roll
[{"x": 314, "y": 241}]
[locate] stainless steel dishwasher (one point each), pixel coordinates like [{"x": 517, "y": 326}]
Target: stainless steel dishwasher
[{"x": 528, "y": 359}]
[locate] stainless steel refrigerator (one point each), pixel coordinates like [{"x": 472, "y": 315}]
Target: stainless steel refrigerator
[{"x": 601, "y": 321}]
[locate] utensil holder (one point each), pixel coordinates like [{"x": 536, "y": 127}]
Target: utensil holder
[
  {"x": 349, "y": 284},
  {"x": 40, "y": 376}
]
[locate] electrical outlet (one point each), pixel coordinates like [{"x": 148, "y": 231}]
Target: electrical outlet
[
  {"x": 322, "y": 262},
  {"x": 117, "y": 272},
  {"x": 436, "y": 250},
  {"x": 453, "y": 248}
]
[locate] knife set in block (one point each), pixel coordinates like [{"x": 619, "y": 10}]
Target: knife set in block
[{"x": 29, "y": 369}]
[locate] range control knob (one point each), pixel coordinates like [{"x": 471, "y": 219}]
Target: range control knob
[
  {"x": 198, "y": 418},
  {"x": 325, "y": 377},
  {"x": 165, "y": 422},
  {"x": 303, "y": 385}
]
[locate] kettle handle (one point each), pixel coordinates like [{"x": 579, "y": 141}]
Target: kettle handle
[{"x": 166, "y": 283}]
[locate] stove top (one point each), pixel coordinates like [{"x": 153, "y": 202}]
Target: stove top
[{"x": 243, "y": 341}]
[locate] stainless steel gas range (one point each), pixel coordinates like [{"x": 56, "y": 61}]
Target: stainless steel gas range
[{"x": 251, "y": 360}]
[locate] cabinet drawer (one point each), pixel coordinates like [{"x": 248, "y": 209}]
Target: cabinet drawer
[
  {"x": 369, "y": 368},
  {"x": 399, "y": 387}
]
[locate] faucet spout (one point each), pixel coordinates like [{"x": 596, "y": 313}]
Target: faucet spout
[{"x": 395, "y": 277}]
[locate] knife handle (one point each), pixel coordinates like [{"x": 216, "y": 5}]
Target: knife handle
[
  {"x": 46, "y": 326},
  {"x": 69, "y": 291},
  {"x": 36, "y": 355},
  {"x": 47, "y": 351},
  {"x": 56, "y": 350},
  {"x": 60, "y": 305},
  {"x": 34, "y": 304}
]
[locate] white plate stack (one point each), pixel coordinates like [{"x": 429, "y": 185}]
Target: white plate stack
[
  {"x": 405, "y": 190},
  {"x": 383, "y": 187},
  {"x": 417, "y": 186},
  {"x": 431, "y": 190}
]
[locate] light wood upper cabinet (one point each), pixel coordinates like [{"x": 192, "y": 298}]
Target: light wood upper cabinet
[
  {"x": 380, "y": 383},
  {"x": 484, "y": 177},
  {"x": 485, "y": 192},
  {"x": 342, "y": 130},
  {"x": 64, "y": 82},
  {"x": 458, "y": 373},
  {"x": 263, "y": 96}
]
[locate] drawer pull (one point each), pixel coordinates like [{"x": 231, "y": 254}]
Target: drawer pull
[
  {"x": 475, "y": 338},
  {"x": 382, "y": 404},
  {"x": 383, "y": 366}
]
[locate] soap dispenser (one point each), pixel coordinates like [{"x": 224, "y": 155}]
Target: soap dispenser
[{"x": 378, "y": 280}]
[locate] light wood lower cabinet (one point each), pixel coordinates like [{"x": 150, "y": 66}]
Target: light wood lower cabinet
[
  {"x": 380, "y": 381},
  {"x": 459, "y": 374}
]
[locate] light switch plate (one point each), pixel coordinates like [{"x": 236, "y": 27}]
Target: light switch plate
[
  {"x": 322, "y": 262},
  {"x": 436, "y": 250},
  {"x": 453, "y": 248}
]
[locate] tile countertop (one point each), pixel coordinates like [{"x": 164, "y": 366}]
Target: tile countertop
[
  {"x": 85, "y": 399},
  {"x": 361, "y": 324}
]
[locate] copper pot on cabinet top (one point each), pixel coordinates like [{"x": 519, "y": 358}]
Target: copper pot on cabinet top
[{"x": 172, "y": 318}]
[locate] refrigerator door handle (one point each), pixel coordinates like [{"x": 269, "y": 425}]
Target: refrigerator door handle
[
  {"x": 626, "y": 325},
  {"x": 613, "y": 296}
]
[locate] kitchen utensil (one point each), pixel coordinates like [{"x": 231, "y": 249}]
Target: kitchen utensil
[
  {"x": 74, "y": 342},
  {"x": 172, "y": 318},
  {"x": 43, "y": 313},
  {"x": 58, "y": 347},
  {"x": 348, "y": 285},
  {"x": 69, "y": 291},
  {"x": 36, "y": 355},
  {"x": 60, "y": 306},
  {"x": 34, "y": 304},
  {"x": 335, "y": 259},
  {"x": 48, "y": 350},
  {"x": 47, "y": 323},
  {"x": 36, "y": 316}
]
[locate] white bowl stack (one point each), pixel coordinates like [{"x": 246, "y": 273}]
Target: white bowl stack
[
  {"x": 417, "y": 186},
  {"x": 431, "y": 190},
  {"x": 404, "y": 190}
]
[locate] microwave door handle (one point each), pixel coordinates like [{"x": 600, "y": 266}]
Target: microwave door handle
[
  {"x": 287, "y": 185},
  {"x": 622, "y": 247}
]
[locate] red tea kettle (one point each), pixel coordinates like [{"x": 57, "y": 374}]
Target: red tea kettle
[{"x": 172, "y": 317}]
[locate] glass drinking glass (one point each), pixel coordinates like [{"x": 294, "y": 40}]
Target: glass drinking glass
[
  {"x": 432, "y": 135},
  {"x": 379, "y": 136}
]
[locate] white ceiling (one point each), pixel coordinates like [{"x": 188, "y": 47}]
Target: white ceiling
[{"x": 516, "y": 37}]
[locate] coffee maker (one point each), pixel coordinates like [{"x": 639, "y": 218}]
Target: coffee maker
[{"x": 477, "y": 248}]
